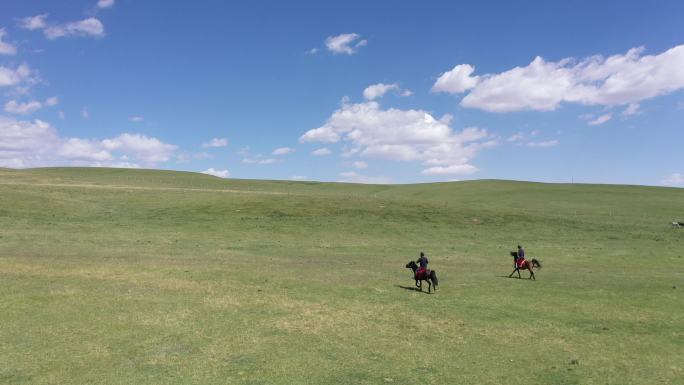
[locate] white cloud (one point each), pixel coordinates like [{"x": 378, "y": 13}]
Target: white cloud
[
  {"x": 457, "y": 169},
  {"x": 401, "y": 135},
  {"x": 516, "y": 137},
  {"x": 218, "y": 173},
  {"x": 136, "y": 118},
  {"x": 312, "y": 51},
  {"x": 632, "y": 109},
  {"x": 544, "y": 85},
  {"x": 33, "y": 22},
  {"x": 360, "y": 164},
  {"x": 457, "y": 80},
  {"x": 675, "y": 179},
  {"x": 260, "y": 161},
  {"x": 321, "y": 152},
  {"x": 543, "y": 144},
  {"x": 75, "y": 148},
  {"x": 84, "y": 113},
  {"x": 6, "y": 48},
  {"x": 36, "y": 143},
  {"x": 283, "y": 151},
  {"x": 601, "y": 119},
  {"x": 105, "y": 3},
  {"x": 344, "y": 43},
  {"x": 52, "y": 101},
  {"x": 10, "y": 77},
  {"x": 298, "y": 177},
  {"x": 378, "y": 90},
  {"x": 13, "y": 107},
  {"x": 353, "y": 177},
  {"x": 86, "y": 27},
  {"x": 150, "y": 150},
  {"x": 216, "y": 142},
  {"x": 61, "y": 115}
]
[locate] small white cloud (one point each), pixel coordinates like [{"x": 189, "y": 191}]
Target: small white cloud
[
  {"x": 298, "y": 177},
  {"x": 354, "y": 177},
  {"x": 33, "y": 22},
  {"x": 632, "y": 109},
  {"x": 378, "y": 90},
  {"x": 105, "y": 3},
  {"x": 83, "y": 149},
  {"x": 601, "y": 119},
  {"x": 457, "y": 80},
  {"x": 283, "y": 151},
  {"x": 52, "y": 101},
  {"x": 12, "y": 77},
  {"x": 343, "y": 44},
  {"x": 516, "y": 137},
  {"x": 260, "y": 161},
  {"x": 360, "y": 164},
  {"x": 86, "y": 27},
  {"x": 13, "y": 107},
  {"x": 136, "y": 118},
  {"x": 218, "y": 173},
  {"x": 321, "y": 152},
  {"x": 216, "y": 142},
  {"x": 144, "y": 148},
  {"x": 6, "y": 48},
  {"x": 312, "y": 51},
  {"x": 84, "y": 113},
  {"x": 61, "y": 115},
  {"x": 457, "y": 169},
  {"x": 543, "y": 144},
  {"x": 675, "y": 179}
]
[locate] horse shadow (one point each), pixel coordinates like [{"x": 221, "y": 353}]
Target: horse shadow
[{"x": 412, "y": 289}]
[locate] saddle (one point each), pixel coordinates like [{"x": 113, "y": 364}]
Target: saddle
[{"x": 422, "y": 274}]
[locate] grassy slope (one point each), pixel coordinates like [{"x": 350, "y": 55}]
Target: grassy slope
[{"x": 134, "y": 276}]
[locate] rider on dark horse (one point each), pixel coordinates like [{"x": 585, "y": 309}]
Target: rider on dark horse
[
  {"x": 423, "y": 262},
  {"x": 520, "y": 261}
]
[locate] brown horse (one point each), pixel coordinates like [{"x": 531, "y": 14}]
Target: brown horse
[
  {"x": 525, "y": 265},
  {"x": 430, "y": 278}
]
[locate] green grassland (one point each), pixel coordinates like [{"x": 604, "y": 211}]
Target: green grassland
[{"x": 112, "y": 276}]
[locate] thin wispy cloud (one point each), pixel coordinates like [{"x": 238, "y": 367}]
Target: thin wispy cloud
[
  {"x": 376, "y": 91},
  {"x": 105, "y": 3},
  {"x": 216, "y": 142},
  {"x": 217, "y": 173},
  {"x": 675, "y": 179},
  {"x": 600, "y": 120},
  {"x": 283, "y": 151},
  {"x": 5, "y": 47},
  {"x": 88, "y": 27},
  {"x": 346, "y": 43}
]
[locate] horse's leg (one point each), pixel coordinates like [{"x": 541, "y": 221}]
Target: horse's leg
[
  {"x": 513, "y": 272},
  {"x": 429, "y": 285}
]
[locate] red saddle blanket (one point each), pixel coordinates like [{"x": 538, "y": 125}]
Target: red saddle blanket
[
  {"x": 422, "y": 273},
  {"x": 520, "y": 262}
]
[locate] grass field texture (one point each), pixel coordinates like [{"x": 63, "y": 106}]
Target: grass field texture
[{"x": 112, "y": 276}]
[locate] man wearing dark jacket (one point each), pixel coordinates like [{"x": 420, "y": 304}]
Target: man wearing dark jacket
[{"x": 423, "y": 262}]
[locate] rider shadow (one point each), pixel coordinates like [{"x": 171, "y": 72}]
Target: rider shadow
[{"x": 412, "y": 289}]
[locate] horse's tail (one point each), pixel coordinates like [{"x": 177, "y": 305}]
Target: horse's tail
[
  {"x": 433, "y": 277},
  {"x": 536, "y": 263}
]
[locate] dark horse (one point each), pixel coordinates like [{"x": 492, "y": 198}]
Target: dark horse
[
  {"x": 525, "y": 265},
  {"x": 430, "y": 277}
]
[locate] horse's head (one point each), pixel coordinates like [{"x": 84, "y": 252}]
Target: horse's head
[
  {"x": 411, "y": 265},
  {"x": 514, "y": 254}
]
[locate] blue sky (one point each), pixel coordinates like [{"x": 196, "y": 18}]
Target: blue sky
[{"x": 371, "y": 92}]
